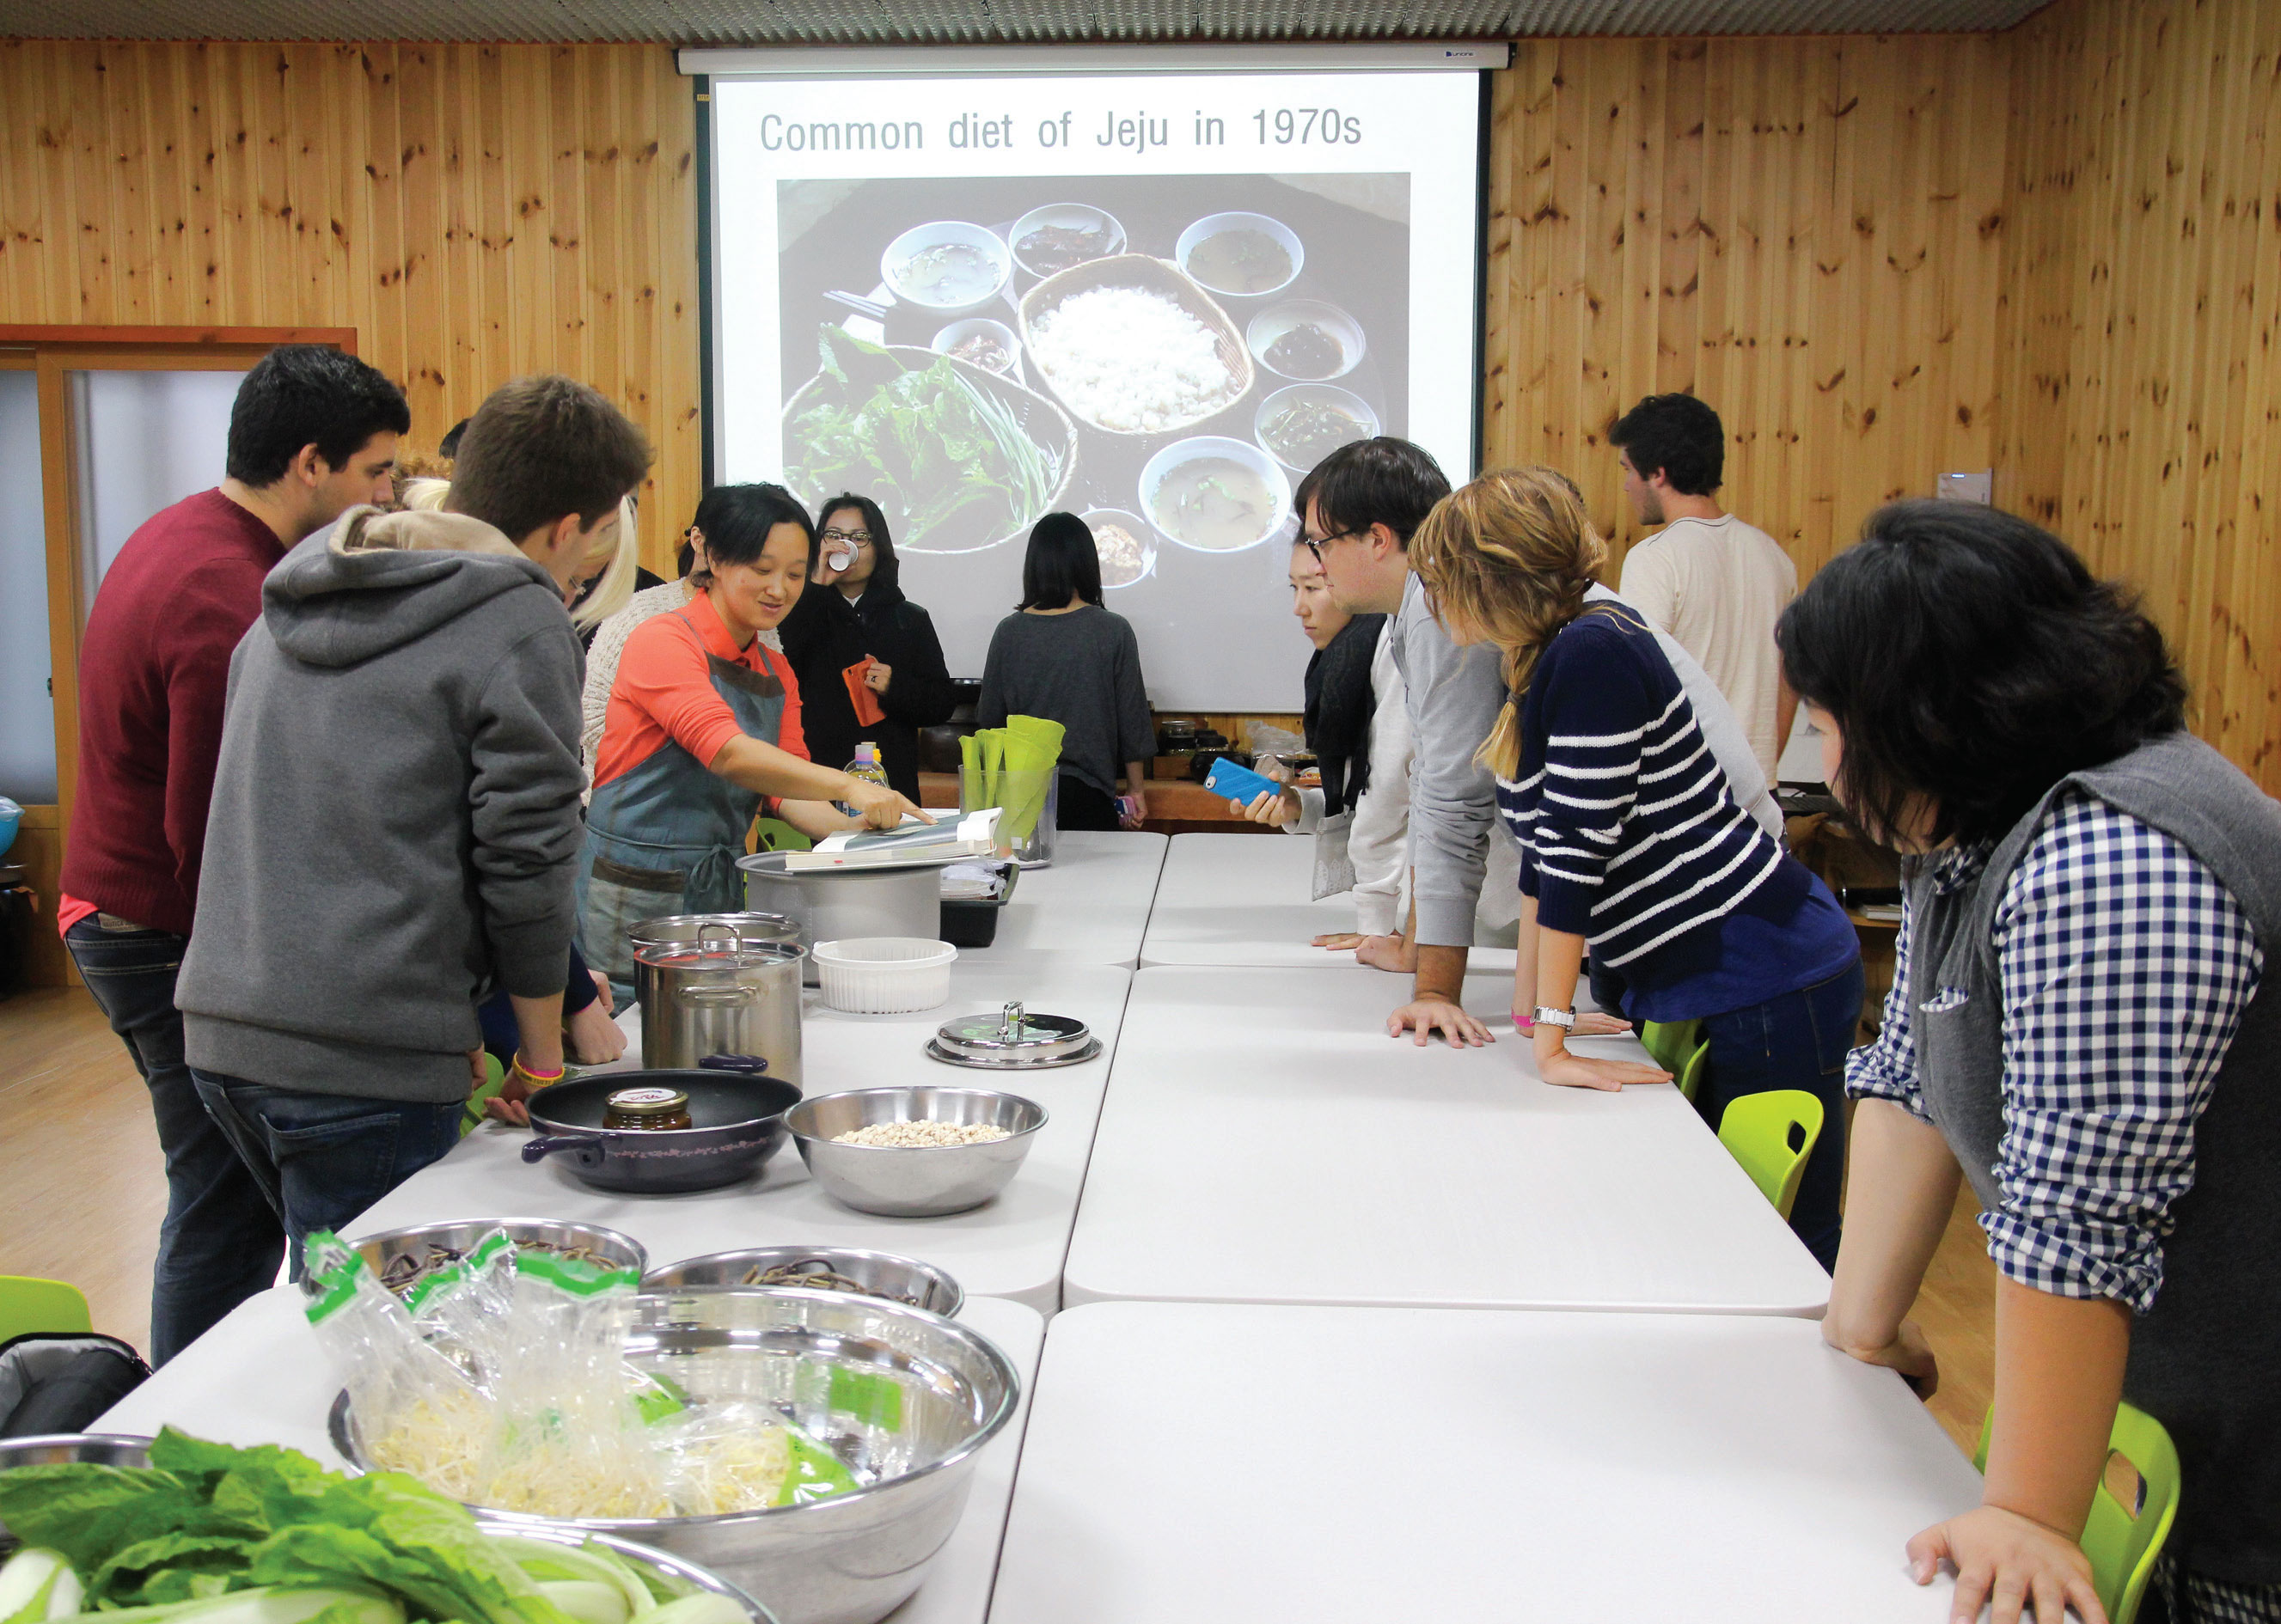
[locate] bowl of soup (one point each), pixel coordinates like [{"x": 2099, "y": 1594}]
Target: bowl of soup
[
  {"x": 1305, "y": 340},
  {"x": 1211, "y": 494},
  {"x": 1241, "y": 256},
  {"x": 950, "y": 267}
]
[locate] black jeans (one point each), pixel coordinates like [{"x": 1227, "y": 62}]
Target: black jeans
[
  {"x": 1084, "y": 807},
  {"x": 221, "y": 1242},
  {"x": 322, "y": 1160},
  {"x": 1797, "y": 1040}
]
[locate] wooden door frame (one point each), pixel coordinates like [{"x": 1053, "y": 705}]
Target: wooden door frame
[{"x": 53, "y": 353}]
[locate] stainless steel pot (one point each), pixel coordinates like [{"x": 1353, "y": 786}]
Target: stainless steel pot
[
  {"x": 722, "y": 997},
  {"x": 836, "y": 904},
  {"x": 687, "y": 930}
]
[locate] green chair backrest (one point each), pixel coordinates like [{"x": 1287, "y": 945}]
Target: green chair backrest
[
  {"x": 28, "y": 1304},
  {"x": 1669, "y": 1043},
  {"x": 1692, "y": 1072},
  {"x": 2123, "y": 1544},
  {"x": 1757, "y": 1131},
  {"x": 1680, "y": 1049},
  {"x": 778, "y": 836}
]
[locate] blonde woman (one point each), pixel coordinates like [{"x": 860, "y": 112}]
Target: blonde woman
[{"x": 1631, "y": 840}]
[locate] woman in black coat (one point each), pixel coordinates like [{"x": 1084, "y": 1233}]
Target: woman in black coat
[{"x": 853, "y": 610}]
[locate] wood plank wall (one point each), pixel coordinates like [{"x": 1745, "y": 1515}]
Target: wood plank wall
[
  {"x": 474, "y": 212},
  {"x": 2055, "y": 252},
  {"x": 1806, "y": 232},
  {"x": 2141, "y": 344}
]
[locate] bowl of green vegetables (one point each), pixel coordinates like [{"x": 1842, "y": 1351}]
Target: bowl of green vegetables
[{"x": 179, "y": 1530}]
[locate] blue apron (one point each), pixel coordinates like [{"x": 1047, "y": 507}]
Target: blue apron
[{"x": 664, "y": 837}]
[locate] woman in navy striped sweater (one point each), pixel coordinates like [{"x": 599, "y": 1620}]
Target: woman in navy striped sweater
[{"x": 1630, "y": 841}]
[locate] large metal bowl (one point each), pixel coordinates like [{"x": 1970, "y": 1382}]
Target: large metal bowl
[
  {"x": 68, "y": 1450},
  {"x": 118, "y": 1449},
  {"x": 917, "y": 1182},
  {"x": 880, "y": 1274},
  {"x": 817, "y": 1357},
  {"x": 384, "y": 1249}
]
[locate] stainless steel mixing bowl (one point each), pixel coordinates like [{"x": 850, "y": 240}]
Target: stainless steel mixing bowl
[
  {"x": 904, "y": 1397},
  {"x": 383, "y": 1248},
  {"x": 906, "y": 1182},
  {"x": 879, "y": 1274}
]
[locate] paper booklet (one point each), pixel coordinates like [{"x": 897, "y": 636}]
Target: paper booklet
[{"x": 975, "y": 835}]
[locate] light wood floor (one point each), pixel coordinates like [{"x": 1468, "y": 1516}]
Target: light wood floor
[{"x": 81, "y": 1192}]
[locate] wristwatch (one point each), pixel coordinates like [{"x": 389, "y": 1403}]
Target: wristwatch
[{"x": 1546, "y": 1015}]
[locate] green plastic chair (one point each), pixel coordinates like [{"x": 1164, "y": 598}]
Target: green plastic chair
[
  {"x": 1757, "y": 1131},
  {"x": 2123, "y": 1543},
  {"x": 778, "y": 836},
  {"x": 27, "y": 1305},
  {"x": 1680, "y": 1049}
]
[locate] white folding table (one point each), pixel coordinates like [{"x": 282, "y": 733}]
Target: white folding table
[
  {"x": 1089, "y": 905},
  {"x": 1227, "y": 1465},
  {"x": 1241, "y": 901},
  {"x": 1011, "y": 1247},
  {"x": 257, "y": 1377},
  {"x": 1265, "y": 1141}
]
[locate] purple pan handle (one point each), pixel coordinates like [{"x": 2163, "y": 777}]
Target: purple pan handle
[
  {"x": 584, "y": 1148},
  {"x": 751, "y": 1065}
]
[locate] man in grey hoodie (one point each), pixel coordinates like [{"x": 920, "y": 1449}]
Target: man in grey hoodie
[{"x": 395, "y": 820}]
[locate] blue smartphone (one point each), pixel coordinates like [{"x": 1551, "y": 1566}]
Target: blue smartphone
[{"x": 1238, "y": 783}]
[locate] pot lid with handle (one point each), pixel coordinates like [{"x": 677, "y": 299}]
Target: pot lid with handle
[
  {"x": 718, "y": 947},
  {"x": 1013, "y": 1040}
]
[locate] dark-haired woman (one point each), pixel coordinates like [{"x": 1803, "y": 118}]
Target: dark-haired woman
[
  {"x": 869, "y": 666},
  {"x": 703, "y": 726},
  {"x": 1064, "y": 657},
  {"x": 2078, "y": 1024}
]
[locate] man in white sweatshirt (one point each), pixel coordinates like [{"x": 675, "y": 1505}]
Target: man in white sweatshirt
[{"x": 1713, "y": 582}]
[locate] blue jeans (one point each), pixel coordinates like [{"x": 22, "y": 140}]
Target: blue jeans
[
  {"x": 219, "y": 1242},
  {"x": 1797, "y": 1040},
  {"x": 324, "y": 1159}
]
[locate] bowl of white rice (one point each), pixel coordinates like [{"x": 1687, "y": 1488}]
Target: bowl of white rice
[{"x": 1132, "y": 346}]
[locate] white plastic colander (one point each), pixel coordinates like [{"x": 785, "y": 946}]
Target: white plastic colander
[{"x": 885, "y": 975}]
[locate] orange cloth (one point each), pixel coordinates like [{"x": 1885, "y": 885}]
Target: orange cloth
[
  {"x": 868, "y": 712},
  {"x": 664, "y": 693}
]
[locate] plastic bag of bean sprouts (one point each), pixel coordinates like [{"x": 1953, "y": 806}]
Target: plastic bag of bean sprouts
[{"x": 395, "y": 1380}]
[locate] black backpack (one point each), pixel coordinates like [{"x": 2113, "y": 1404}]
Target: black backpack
[{"x": 60, "y": 1381}]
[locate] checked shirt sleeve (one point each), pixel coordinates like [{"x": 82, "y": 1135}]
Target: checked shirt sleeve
[
  {"x": 1887, "y": 1068},
  {"x": 2126, "y": 966}
]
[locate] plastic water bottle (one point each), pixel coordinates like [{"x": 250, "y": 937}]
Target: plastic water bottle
[{"x": 865, "y": 766}]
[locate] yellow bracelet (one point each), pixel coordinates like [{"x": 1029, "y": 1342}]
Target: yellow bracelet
[{"x": 538, "y": 1078}]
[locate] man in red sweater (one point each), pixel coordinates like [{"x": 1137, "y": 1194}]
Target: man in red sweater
[{"x": 312, "y": 433}]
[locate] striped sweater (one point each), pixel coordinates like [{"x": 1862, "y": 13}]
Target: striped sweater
[{"x": 1629, "y": 835}]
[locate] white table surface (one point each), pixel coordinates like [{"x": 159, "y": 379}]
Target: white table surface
[
  {"x": 1221, "y": 1463},
  {"x": 1265, "y": 1141},
  {"x": 258, "y": 1378},
  {"x": 1011, "y": 1246},
  {"x": 1241, "y": 900},
  {"x": 1090, "y": 904}
]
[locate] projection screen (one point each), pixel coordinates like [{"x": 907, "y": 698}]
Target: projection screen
[{"x": 1152, "y": 298}]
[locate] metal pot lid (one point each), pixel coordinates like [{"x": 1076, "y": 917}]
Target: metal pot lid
[
  {"x": 718, "y": 947},
  {"x": 1014, "y": 1040}
]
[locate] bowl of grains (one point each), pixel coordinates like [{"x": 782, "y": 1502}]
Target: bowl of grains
[
  {"x": 913, "y": 1152},
  {"x": 1127, "y": 546}
]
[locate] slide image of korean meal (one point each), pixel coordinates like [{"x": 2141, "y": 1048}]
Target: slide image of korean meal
[{"x": 1166, "y": 356}]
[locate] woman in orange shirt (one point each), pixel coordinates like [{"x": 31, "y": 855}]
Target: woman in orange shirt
[{"x": 703, "y": 726}]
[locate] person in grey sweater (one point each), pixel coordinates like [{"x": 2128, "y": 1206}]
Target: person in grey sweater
[
  {"x": 1064, "y": 657},
  {"x": 395, "y": 819}
]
